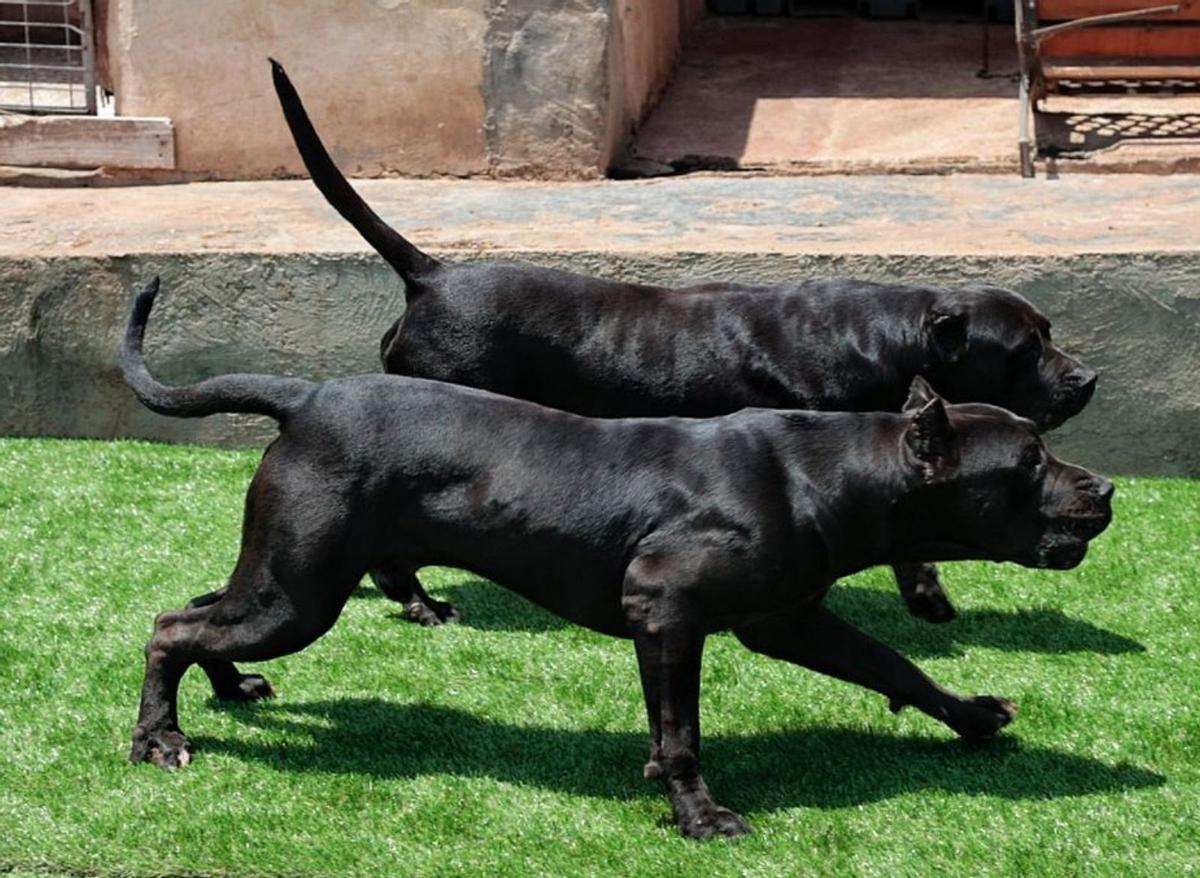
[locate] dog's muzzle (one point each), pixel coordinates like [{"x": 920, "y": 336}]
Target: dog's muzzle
[
  {"x": 1074, "y": 393},
  {"x": 1065, "y": 542}
]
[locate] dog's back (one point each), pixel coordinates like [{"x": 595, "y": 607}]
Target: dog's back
[{"x": 608, "y": 349}]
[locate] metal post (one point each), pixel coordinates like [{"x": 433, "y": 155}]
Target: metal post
[
  {"x": 88, "y": 39},
  {"x": 1024, "y": 11},
  {"x": 1024, "y": 145}
]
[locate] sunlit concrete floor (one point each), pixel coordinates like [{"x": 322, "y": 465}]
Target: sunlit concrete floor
[{"x": 846, "y": 95}]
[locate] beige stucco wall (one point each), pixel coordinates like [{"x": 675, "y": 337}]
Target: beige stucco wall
[
  {"x": 535, "y": 88},
  {"x": 693, "y": 11},
  {"x": 651, "y": 34},
  {"x": 649, "y": 38},
  {"x": 392, "y": 85}
]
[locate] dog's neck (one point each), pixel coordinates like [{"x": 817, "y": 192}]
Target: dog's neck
[
  {"x": 878, "y": 369},
  {"x": 859, "y": 488}
]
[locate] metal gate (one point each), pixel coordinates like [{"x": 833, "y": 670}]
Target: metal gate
[{"x": 47, "y": 56}]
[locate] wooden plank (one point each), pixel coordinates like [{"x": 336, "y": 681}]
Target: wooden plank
[
  {"x": 1067, "y": 10},
  {"x": 1090, "y": 71},
  {"x": 87, "y": 142},
  {"x": 1181, "y": 44}
]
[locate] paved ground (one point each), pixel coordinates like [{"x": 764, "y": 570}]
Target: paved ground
[
  {"x": 904, "y": 215},
  {"x": 854, "y": 96}
]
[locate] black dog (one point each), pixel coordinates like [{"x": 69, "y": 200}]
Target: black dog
[
  {"x": 610, "y": 349},
  {"x": 660, "y": 530}
]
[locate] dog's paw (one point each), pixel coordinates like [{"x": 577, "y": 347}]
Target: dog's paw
[
  {"x": 430, "y": 614},
  {"x": 710, "y": 820},
  {"x": 981, "y": 716},
  {"x": 930, "y": 603},
  {"x": 166, "y": 749},
  {"x": 249, "y": 687},
  {"x": 697, "y": 815}
]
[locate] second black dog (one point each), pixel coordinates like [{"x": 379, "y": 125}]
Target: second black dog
[{"x": 611, "y": 349}]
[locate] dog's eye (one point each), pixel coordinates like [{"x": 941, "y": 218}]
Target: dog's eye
[
  {"x": 1032, "y": 458},
  {"x": 1031, "y": 348}
]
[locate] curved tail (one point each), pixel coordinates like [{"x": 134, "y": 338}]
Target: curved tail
[
  {"x": 405, "y": 258},
  {"x": 249, "y": 394}
]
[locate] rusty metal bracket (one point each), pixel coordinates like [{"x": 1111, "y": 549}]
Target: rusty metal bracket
[{"x": 1040, "y": 33}]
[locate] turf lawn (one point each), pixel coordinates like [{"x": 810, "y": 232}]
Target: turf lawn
[{"x": 513, "y": 743}]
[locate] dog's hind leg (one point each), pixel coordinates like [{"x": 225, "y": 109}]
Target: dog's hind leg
[
  {"x": 817, "y": 639},
  {"x": 228, "y": 683},
  {"x": 207, "y": 598},
  {"x": 256, "y": 620},
  {"x": 923, "y": 593},
  {"x": 400, "y": 584}
]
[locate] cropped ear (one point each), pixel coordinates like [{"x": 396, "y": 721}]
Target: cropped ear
[
  {"x": 919, "y": 393},
  {"x": 930, "y": 437},
  {"x": 946, "y": 332}
]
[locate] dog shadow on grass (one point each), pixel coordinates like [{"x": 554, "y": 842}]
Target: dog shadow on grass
[
  {"x": 489, "y": 607},
  {"x": 1039, "y": 629},
  {"x": 764, "y": 771}
]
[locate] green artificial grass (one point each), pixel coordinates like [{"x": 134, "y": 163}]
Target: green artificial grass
[{"x": 512, "y": 743}]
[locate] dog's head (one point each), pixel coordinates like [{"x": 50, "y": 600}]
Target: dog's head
[
  {"x": 986, "y": 344},
  {"x": 989, "y": 489}
]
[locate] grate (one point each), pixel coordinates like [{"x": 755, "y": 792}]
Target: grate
[
  {"x": 1063, "y": 133},
  {"x": 1127, "y": 86},
  {"x": 47, "y": 56}
]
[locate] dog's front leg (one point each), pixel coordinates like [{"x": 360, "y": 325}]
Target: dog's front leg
[
  {"x": 815, "y": 638},
  {"x": 401, "y": 585},
  {"x": 923, "y": 593},
  {"x": 669, "y": 646}
]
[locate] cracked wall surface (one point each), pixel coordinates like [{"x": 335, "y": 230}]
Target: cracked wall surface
[{"x": 547, "y": 86}]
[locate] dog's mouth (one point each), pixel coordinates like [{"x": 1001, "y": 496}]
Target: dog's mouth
[
  {"x": 1068, "y": 400},
  {"x": 1065, "y": 542},
  {"x": 1062, "y": 553},
  {"x": 1048, "y": 421},
  {"x": 1059, "y": 413}
]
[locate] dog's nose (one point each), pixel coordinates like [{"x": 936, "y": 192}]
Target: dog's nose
[
  {"x": 1082, "y": 380},
  {"x": 1093, "y": 485},
  {"x": 1079, "y": 384}
]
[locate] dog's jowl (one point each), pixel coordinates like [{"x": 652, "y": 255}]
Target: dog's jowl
[
  {"x": 610, "y": 349},
  {"x": 662, "y": 531}
]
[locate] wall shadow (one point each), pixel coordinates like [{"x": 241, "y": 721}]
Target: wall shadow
[{"x": 814, "y": 767}]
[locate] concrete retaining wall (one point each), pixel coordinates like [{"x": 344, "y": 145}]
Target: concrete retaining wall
[{"x": 1135, "y": 318}]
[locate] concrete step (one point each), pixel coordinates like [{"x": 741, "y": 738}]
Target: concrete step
[{"x": 266, "y": 277}]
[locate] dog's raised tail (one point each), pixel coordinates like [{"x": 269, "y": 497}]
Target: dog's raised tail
[
  {"x": 248, "y": 394},
  {"x": 406, "y": 259}
]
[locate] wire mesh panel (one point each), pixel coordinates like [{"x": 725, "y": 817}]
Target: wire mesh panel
[{"x": 47, "y": 56}]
